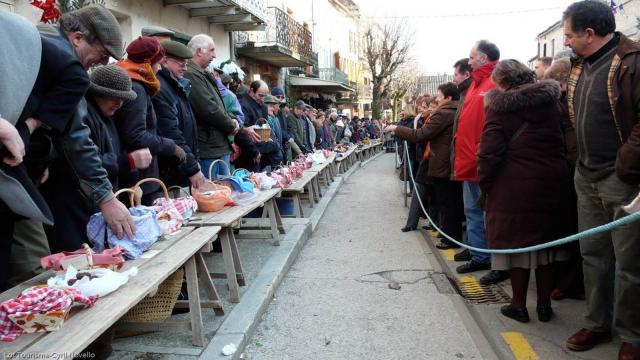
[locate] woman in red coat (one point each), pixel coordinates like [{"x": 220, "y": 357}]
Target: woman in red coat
[{"x": 524, "y": 178}]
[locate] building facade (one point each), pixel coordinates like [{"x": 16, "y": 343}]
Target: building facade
[
  {"x": 550, "y": 42},
  {"x": 187, "y": 18}
]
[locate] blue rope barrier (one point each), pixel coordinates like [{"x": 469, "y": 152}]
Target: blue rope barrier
[{"x": 565, "y": 240}]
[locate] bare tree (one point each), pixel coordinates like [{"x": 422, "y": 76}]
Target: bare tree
[
  {"x": 386, "y": 48},
  {"x": 402, "y": 84}
]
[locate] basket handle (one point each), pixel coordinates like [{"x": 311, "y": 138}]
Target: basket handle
[
  {"x": 158, "y": 181},
  {"x": 239, "y": 169},
  {"x": 180, "y": 189},
  {"x": 132, "y": 195},
  {"x": 89, "y": 253},
  {"x": 215, "y": 162}
]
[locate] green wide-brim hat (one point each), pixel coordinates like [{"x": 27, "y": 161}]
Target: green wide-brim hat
[
  {"x": 270, "y": 99},
  {"x": 176, "y": 49},
  {"x": 111, "y": 81}
]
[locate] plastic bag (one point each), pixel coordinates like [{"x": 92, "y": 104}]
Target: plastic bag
[
  {"x": 318, "y": 158},
  {"x": 265, "y": 182},
  {"x": 92, "y": 282},
  {"x": 242, "y": 198},
  {"x": 211, "y": 197}
]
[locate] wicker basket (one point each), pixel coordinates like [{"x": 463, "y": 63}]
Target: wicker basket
[
  {"x": 265, "y": 134},
  {"x": 156, "y": 308}
]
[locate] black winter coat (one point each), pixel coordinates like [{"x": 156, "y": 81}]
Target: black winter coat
[
  {"x": 176, "y": 122},
  {"x": 252, "y": 110},
  {"x": 71, "y": 208},
  {"x": 138, "y": 129}
]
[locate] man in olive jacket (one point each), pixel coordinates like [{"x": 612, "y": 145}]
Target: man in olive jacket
[{"x": 215, "y": 126}]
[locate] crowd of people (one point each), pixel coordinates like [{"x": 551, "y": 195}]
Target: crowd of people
[
  {"x": 76, "y": 126},
  {"x": 524, "y": 157}
]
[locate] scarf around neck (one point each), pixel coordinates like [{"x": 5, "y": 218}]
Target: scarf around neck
[{"x": 143, "y": 73}]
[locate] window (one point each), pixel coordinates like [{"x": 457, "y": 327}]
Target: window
[
  {"x": 553, "y": 47},
  {"x": 544, "y": 50}
]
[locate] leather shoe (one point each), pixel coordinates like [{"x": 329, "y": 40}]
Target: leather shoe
[
  {"x": 446, "y": 244},
  {"x": 521, "y": 315},
  {"x": 472, "y": 266},
  {"x": 545, "y": 313},
  {"x": 494, "y": 277},
  {"x": 629, "y": 351},
  {"x": 407, "y": 228},
  {"x": 586, "y": 339},
  {"x": 463, "y": 255}
]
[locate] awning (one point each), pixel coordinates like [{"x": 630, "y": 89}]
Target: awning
[
  {"x": 235, "y": 15},
  {"x": 324, "y": 85}
]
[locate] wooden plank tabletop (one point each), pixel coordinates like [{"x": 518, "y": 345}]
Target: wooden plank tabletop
[
  {"x": 345, "y": 154},
  {"x": 299, "y": 184},
  {"x": 88, "y": 324},
  {"x": 230, "y": 214}
]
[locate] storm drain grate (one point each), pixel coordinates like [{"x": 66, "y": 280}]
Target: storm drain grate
[{"x": 469, "y": 288}]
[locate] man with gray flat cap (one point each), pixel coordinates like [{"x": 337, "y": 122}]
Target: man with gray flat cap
[
  {"x": 175, "y": 118},
  {"x": 82, "y": 39}
]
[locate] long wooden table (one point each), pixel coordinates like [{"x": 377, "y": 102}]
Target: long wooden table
[
  {"x": 345, "y": 160},
  {"x": 158, "y": 263},
  {"x": 230, "y": 216},
  {"x": 326, "y": 171},
  {"x": 295, "y": 190}
]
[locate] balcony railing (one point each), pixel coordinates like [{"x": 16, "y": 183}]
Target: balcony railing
[
  {"x": 334, "y": 74},
  {"x": 281, "y": 30}
]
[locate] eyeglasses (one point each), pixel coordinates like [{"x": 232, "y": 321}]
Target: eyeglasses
[
  {"x": 182, "y": 63},
  {"x": 104, "y": 54}
]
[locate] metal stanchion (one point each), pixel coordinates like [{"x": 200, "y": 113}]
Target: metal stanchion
[{"x": 406, "y": 177}]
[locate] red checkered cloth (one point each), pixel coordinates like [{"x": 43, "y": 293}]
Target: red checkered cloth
[
  {"x": 35, "y": 300},
  {"x": 184, "y": 205}
]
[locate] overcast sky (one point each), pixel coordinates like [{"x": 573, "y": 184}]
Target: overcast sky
[{"x": 443, "y": 35}]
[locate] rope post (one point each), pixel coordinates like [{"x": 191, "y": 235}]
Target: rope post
[{"x": 406, "y": 174}]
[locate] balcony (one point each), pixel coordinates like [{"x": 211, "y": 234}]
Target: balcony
[
  {"x": 334, "y": 74},
  {"x": 235, "y": 15},
  {"x": 284, "y": 42}
]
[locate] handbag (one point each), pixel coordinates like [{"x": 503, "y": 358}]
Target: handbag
[{"x": 147, "y": 230}]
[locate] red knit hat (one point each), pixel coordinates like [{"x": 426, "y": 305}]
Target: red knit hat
[{"x": 145, "y": 49}]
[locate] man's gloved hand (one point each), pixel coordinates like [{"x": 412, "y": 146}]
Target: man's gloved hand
[{"x": 180, "y": 154}]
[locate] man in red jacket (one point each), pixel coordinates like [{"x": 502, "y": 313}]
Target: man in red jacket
[{"x": 483, "y": 59}]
